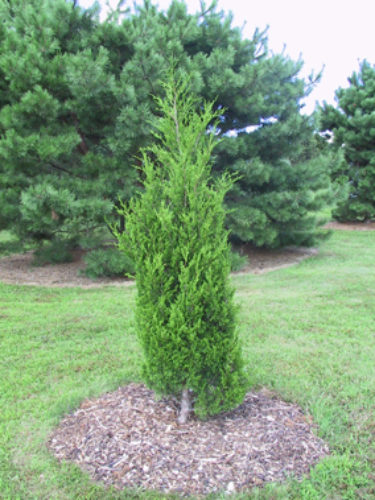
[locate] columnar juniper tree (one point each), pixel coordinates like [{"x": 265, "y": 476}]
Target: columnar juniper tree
[{"x": 175, "y": 233}]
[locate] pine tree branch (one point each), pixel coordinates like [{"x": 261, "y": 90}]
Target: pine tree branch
[
  {"x": 63, "y": 169},
  {"x": 148, "y": 79},
  {"x": 82, "y": 145},
  {"x": 206, "y": 10},
  {"x": 83, "y": 230}
]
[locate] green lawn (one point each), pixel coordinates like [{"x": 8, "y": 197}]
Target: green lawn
[{"x": 308, "y": 333}]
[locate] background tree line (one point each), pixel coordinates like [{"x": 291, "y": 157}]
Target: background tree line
[{"x": 76, "y": 106}]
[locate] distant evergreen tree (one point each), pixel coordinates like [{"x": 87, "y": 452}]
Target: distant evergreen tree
[
  {"x": 175, "y": 234},
  {"x": 352, "y": 124},
  {"x": 76, "y": 107},
  {"x": 50, "y": 158},
  {"x": 284, "y": 180}
]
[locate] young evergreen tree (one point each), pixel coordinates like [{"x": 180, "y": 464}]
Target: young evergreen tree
[
  {"x": 352, "y": 126},
  {"x": 175, "y": 233}
]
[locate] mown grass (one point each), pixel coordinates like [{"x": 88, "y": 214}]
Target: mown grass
[{"x": 308, "y": 333}]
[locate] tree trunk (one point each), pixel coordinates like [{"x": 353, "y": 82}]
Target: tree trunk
[{"x": 185, "y": 407}]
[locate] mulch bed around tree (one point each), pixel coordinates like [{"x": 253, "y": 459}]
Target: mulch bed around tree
[
  {"x": 351, "y": 226},
  {"x": 128, "y": 439},
  {"x": 18, "y": 269}
]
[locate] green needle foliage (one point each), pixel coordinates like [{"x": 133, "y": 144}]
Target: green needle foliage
[
  {"x": 76, "y": 107},
  {"x": 175, "y": 234},
  {"x": 352, "y": 125}
]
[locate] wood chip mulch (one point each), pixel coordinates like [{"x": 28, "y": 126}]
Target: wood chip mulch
[
  {"x": 351, "y": 226},
  {"x": 128, "y": 439},
  {"x": 18, "y": 269}
]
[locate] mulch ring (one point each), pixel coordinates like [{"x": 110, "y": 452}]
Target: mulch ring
[
  {"x": 263, "y": 260},
  {"x": 351, "y": 226},
  {"x": 128, "y": 439},
  {"x": 18, "y": 269}
]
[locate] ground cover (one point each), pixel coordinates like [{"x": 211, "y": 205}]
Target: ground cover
[
  {"x": 18, "y": 268},
  {"x": 308, "y": 333}
]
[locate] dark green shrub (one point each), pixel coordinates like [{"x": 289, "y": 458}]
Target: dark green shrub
[
  {"x": 109, "y": 262},
  {"x": 10, "y": 243},
  {"x": 237, "y": 261},
  {"x": 53, "y": 252},
  {"x": 185, "y": 315}
]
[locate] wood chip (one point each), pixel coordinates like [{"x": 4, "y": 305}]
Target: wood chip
[{"x": 127, "y": 438}]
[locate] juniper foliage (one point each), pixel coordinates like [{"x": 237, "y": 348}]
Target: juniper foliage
[{"x": 175, "y": 234}]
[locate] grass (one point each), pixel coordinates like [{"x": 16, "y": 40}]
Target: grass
[{"x": 308, "y": 333}]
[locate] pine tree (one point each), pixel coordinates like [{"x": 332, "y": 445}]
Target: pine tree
[
  {"x": 51, "y": 187},
  {"x": 284, "y": 180},
  {"x": 76, "y": 107},
  {"x": 352, "y": 125},
  {"x": 175, "y": 234}
]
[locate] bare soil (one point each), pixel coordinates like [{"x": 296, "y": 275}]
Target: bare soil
[
  {"x": 351, "y": 226},
  {"x": 18, "y": 269},
  {"x": 129, "y": 439}
]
